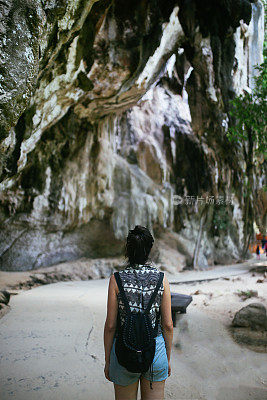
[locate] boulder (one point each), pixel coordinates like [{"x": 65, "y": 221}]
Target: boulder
[
  {"x": 4, "y": 297},
  {"x": 251, "y": 316}
]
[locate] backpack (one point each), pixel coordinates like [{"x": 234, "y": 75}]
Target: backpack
[{"x": 135, "y": 345}]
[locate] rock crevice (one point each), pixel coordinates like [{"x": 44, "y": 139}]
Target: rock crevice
[{"x": 110, "y": 109}]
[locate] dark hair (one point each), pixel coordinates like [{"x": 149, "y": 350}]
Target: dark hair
[{"x": 138, "y": 245}]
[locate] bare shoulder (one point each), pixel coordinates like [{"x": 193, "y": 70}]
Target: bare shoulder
[
  {"x": 165, "y": 282},
  {"x": 113, "y": 283}
]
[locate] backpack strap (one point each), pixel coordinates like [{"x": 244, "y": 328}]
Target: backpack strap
[
  {"x": 122, "y": 292},
  {"x": 154, "y": 294}
]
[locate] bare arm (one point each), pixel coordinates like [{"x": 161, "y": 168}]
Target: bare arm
[
  {"x": 111, "y": 320},
  {"x": 166, "y": 317}
]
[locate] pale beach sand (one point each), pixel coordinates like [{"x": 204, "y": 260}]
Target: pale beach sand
[{"x": 52, "y": 343}]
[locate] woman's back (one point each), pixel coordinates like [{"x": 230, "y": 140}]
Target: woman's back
[{"x": 139, "y": 283}]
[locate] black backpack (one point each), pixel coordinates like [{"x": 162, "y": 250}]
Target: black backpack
[{"x": 135, "y": 344}]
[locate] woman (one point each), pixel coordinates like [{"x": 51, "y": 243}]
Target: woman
[
  {"x": 139, "y": 279},
  {"x": 258, "y": 252}
]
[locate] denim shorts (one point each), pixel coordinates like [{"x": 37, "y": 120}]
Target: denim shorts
[{"x": 121, "y": 376}]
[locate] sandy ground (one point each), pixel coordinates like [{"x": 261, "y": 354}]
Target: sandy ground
[{"x": 51, "y": 342}]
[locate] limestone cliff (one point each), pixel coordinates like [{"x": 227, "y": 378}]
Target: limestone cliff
[{"x": 112, "y": 109}]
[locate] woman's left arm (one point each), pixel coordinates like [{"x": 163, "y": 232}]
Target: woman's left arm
[{"x": 111, "y": 319}]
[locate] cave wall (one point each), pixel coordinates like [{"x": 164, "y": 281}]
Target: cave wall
[{"x": 121, "y": 106}]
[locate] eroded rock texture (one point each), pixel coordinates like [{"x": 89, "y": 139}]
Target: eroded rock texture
[{"x": 108, "y": 110}]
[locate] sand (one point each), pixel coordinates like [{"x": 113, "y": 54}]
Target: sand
[{"x": 52, "y": 343}]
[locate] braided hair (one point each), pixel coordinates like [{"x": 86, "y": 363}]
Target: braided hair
[{"x": 138, "y": 245}]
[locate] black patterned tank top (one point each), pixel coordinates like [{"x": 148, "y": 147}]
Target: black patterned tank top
[{"x": 139, "y": 283}]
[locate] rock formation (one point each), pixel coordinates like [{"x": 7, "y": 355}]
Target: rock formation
[{"x": 112, "y": 109}]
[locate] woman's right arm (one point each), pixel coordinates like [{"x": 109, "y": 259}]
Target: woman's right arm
[{"x": 166, "y": 318}]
